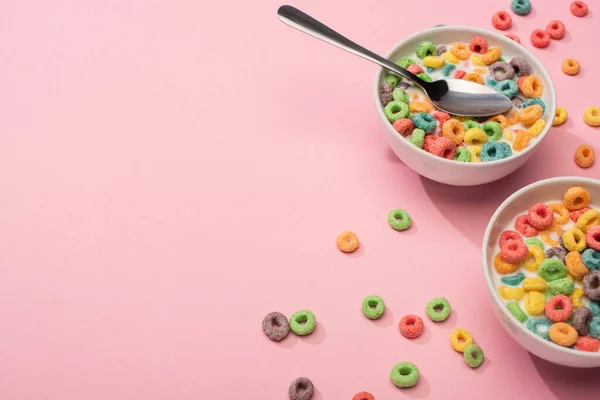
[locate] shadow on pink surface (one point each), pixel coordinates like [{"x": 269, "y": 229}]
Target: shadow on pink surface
[
  {"x": 386, "y": 319},
  {"x": 420, "y": 391},
  {"x": 317, "y": 337},
  {"x": 561, "y": 380}
]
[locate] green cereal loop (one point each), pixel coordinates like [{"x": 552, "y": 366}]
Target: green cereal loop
[
  {"x": 426, "y": 48},
  {"x": 400, "y": 94},
  {"x": 470, "y": 124},
  {"x": 399, "y": 219},
  {"x": 516, "y": 311},
  {"x": 404, "y": 62},
  {"x": 393, "y": 79},
  {"x": 513, "y": 280},
  {"x": 396, "y": 110},
  {"x": 501, "y": 59},
  {"x": 463, "y": 154},
  {"x": 303, "y": 323},
  {"x": 492, "y": 129},
  {"x": 552, "y": 269},
  {"x": 405, "y": 375},
  {"x": 440, "y": 303},
  {"x": 425, "y": 77},
  {"x": 561, "y": 286},
  {"x": 418, "y": 138},
  {"x": 473, "y": 355},
  {"x": 535, "y": 242},
  {"x": 373, "y": 307}
]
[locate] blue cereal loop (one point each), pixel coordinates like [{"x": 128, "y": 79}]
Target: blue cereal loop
[
  {"x": 424, "y": 121},
  {"x": 493, "y": 151},
  {"x": 521, "y": 7},
  {"x": 530, "y": 102},
  {"x": 447, "y": 69},
  {"x": 595, "y": 307},
  {"x": 513, "y": 280},
  {"x": 490, "y": 82},
  {"x": 591, "y": 258},
  {"x": 534, "y": 325},
  {"x": 508, "y": 88},
  {"x": 595, "y": 328}
]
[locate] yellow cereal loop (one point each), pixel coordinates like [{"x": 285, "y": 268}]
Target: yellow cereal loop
[
  {"x": 475, "y": 153},
  {"x": 534, "y": 303},
  {"x": 587, "y": 219},
  {"x": 491, "y": 56},
  {"x": 472, "y": 77},
  {"x": 536, "y": 256},
  {"x": 508, "y": 293},
  {"x": 476, "y": 60},
  {"x": 534, "y": 283},
  {"x": 574, "y": 240},
  {"x": 419, "y": 106},
  {"x": 536, "y": 128},
  {"x": 576, "y": 297},
  {"x": 591, "y": 116},
  {"x": 475, "y": 137},
  {"x": 460, "y": 339},
  {"x": 451, "y": 58},
  {"x": 563, "y": 213},
  {"x": 434, "y": 62},
  {"x": 507, "y": 135},
  {"x": 560, "y": 117},
  {"x": 513, "y": 118}
]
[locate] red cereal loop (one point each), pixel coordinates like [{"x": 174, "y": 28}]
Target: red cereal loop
[
  {"x": 429, "y": 140},
  {"x": 404, "y": 126},
  {"x": 520, "y": 83},
  {"x": 579, "y": 9},
  {"x": 587, "y": 343},
  {"x": 443, "y": 147},
  {"x": 558, "y": 308},
  {"x": 514, "y": 251},
  {"x": 513, "y": 37},
  {"x": 509, "y": 235},
  {"x": 576, "y": 214},
  {"x": 415, "y": 69},
  {"x": 502, "y": 20},
  {"x": 556, "y": 29},
  {"x": 524, "y": 227},
  {"x": 478, "y": 45},
  {"x": 411, "y": 326},
  {"x": 540, "y": 216},
  {"x": 441, "y": 117},
  {"x": 459, "y": 74},
  {"x": 363, "y": 396},
  {"x": 540, "y": 38},
  {"x": 592, "y": 237}
]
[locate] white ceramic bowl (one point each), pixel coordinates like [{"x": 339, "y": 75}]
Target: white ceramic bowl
[
  {"x": 448, "y": 171},
  {"x": 542, "y": 191}
]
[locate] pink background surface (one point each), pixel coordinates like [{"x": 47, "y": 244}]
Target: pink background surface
[{"x": 172, "y": 171}]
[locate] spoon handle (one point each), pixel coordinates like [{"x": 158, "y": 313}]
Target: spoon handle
[{"x": 307, "y": 24}]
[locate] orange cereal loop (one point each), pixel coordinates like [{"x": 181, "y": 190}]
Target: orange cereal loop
[
  {"x": 501, "y": 119},
  {"x": 491, "y": 56},
  {"x": 461, "y": 51},
  {"x": 571, "y": 66},
  {"x": 480, "y": 71},
  {"x": 521, "y": 140},
  {"x": 419, "y": 106},
  {"x": 531, "y": 114},
  {"x": 585, "y": 156},
  {"x": 415, "y": 95},
  {"x": 576, "y": 198},
  {"x": 591, "y": 116},
  {"x": 563, "y": 213},
  {"x": 454, "y": 130},
  {"x": 545, "y": 235},
  {"x": 532, "y": 87},
  {"x": 347, "y": 242},
  {"x": 503, "y": 267},
  {"x": 563, "y": 334},
  {"x": 474, "y": 78},
  {"x": 513, "y": 118},
  {"x": 575, "y": 266}
]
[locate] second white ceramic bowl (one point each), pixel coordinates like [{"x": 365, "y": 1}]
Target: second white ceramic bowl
[
  {"x": 448, "y": 171},
  {"x": 543, "y": 191}
]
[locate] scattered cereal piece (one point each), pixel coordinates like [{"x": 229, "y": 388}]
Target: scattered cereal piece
[
  {"x": 501, "y": 71},
  {"x": 303, "y": 322},
  {"x": 438, "y": 309},
  {"x": 363, "y": 396},
  {"x": 276, "y": 326},
  {"x": 521, "y": 7},
  {"x": 405, "y": 375},
  {"x": 595, "y": 328},
  {"x": 513, "y": 37},
  {"x": 473, "y": 355},
  {"x": 434, "y": 61},
  {"x": 443, "y": 147},
  {"x": 516, "y": 311},
  {"x": 301, "y": 389},
  {"x": 591, "y": 116},
  {"x": 560, "y": 117},
  {"x": 579, "y": 9},
  {"x": 347, "y": 242},
  {"x": 556, "y": 29},
  {"x": 574, "y": 240},
  {"x": 373, "y": 307},
  {"x": 534, "y": 259},
  {"x": 540, "y": 38},
  {"x": 460, "y": 339},
  {"x": 571, "y": 66},
  {"x": 563, "y": 334},
  {"x": 502, "y": 20},
  {"x": 395, "y": 110},
  {"x": 411, "y": 326}
]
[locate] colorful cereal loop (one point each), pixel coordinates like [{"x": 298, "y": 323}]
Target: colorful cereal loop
[
  {"x": 472, "y": 77},
  {"x": 507, "y": 135},
  {"x": 585, "y": 156},
  {"x": 574, "y": 240},
  {"x": 499, "y": 118},
  {"x": 591, "y": 116},
  {"x": 545, "y": 235},
  {"x": 532, "y": 87},
  {"x": 460, "y": 339},
  {"x": 530, "y": 114},
  {"x": 588, "y": 219},
  {"x": 536, "y": 256},
  {"x": 475, "y": 153},
  {"x": 347, "y": 242},
  {"x": 475, "y": 136},
  {"x": 534, "y": 303},
  {"x": 502, "y": 20},
  {"x": 521, "y": 140},
  {"x": 434, "y": 61},
  {"x": 560, "y": 117},
  {"x": 516, "y": 311},
  {"x": 576, "y": 298},
  {"x": 575, "y": 265},
  {"x": 513, "y": 118},
  {"x": 476, "y": 60},
  {"x": 454, "y": 130},
  {"x": 534, "y": 283},
  {"x": 561, "y": 213},
  {"x": 563, "y": 334},
  {"x": 571, "y": 66},
  {"x": 491, "y": 56},
  {"x": 509, "y": 293},
  {"x": 419, "y": 106},
  {"x": 451, "y": 58},
  {"x": 537, "y": 128},
  {"x": 540, "y": 38},
  {"x": 576, "y": 198},
  {"x": 461, "y": 51}
]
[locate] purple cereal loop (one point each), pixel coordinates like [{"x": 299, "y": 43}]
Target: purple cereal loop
[
  {"x": 582, "y": 316},
  {"x": 520, "y": 66},
  {"x": 501, "y": 71},
  {"x": 385, "y": 93},
  {"x": 591, "y": 285},
  {"x": 276, "y": 326},
  {"x": 404, "y": 85},
  {"x": 301, "y": 383},
  {"x": 518, "y": 101},
  {"x": 557, "y": 252},
  {"x": 441, "y": 49}
]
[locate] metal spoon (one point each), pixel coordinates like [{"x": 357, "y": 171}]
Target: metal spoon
[{"x": 455, "y": 96}]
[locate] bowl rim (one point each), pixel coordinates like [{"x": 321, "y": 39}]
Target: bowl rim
[
  {"x": 488, "y": 276},
  {"x": 475, "y": 31}
]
